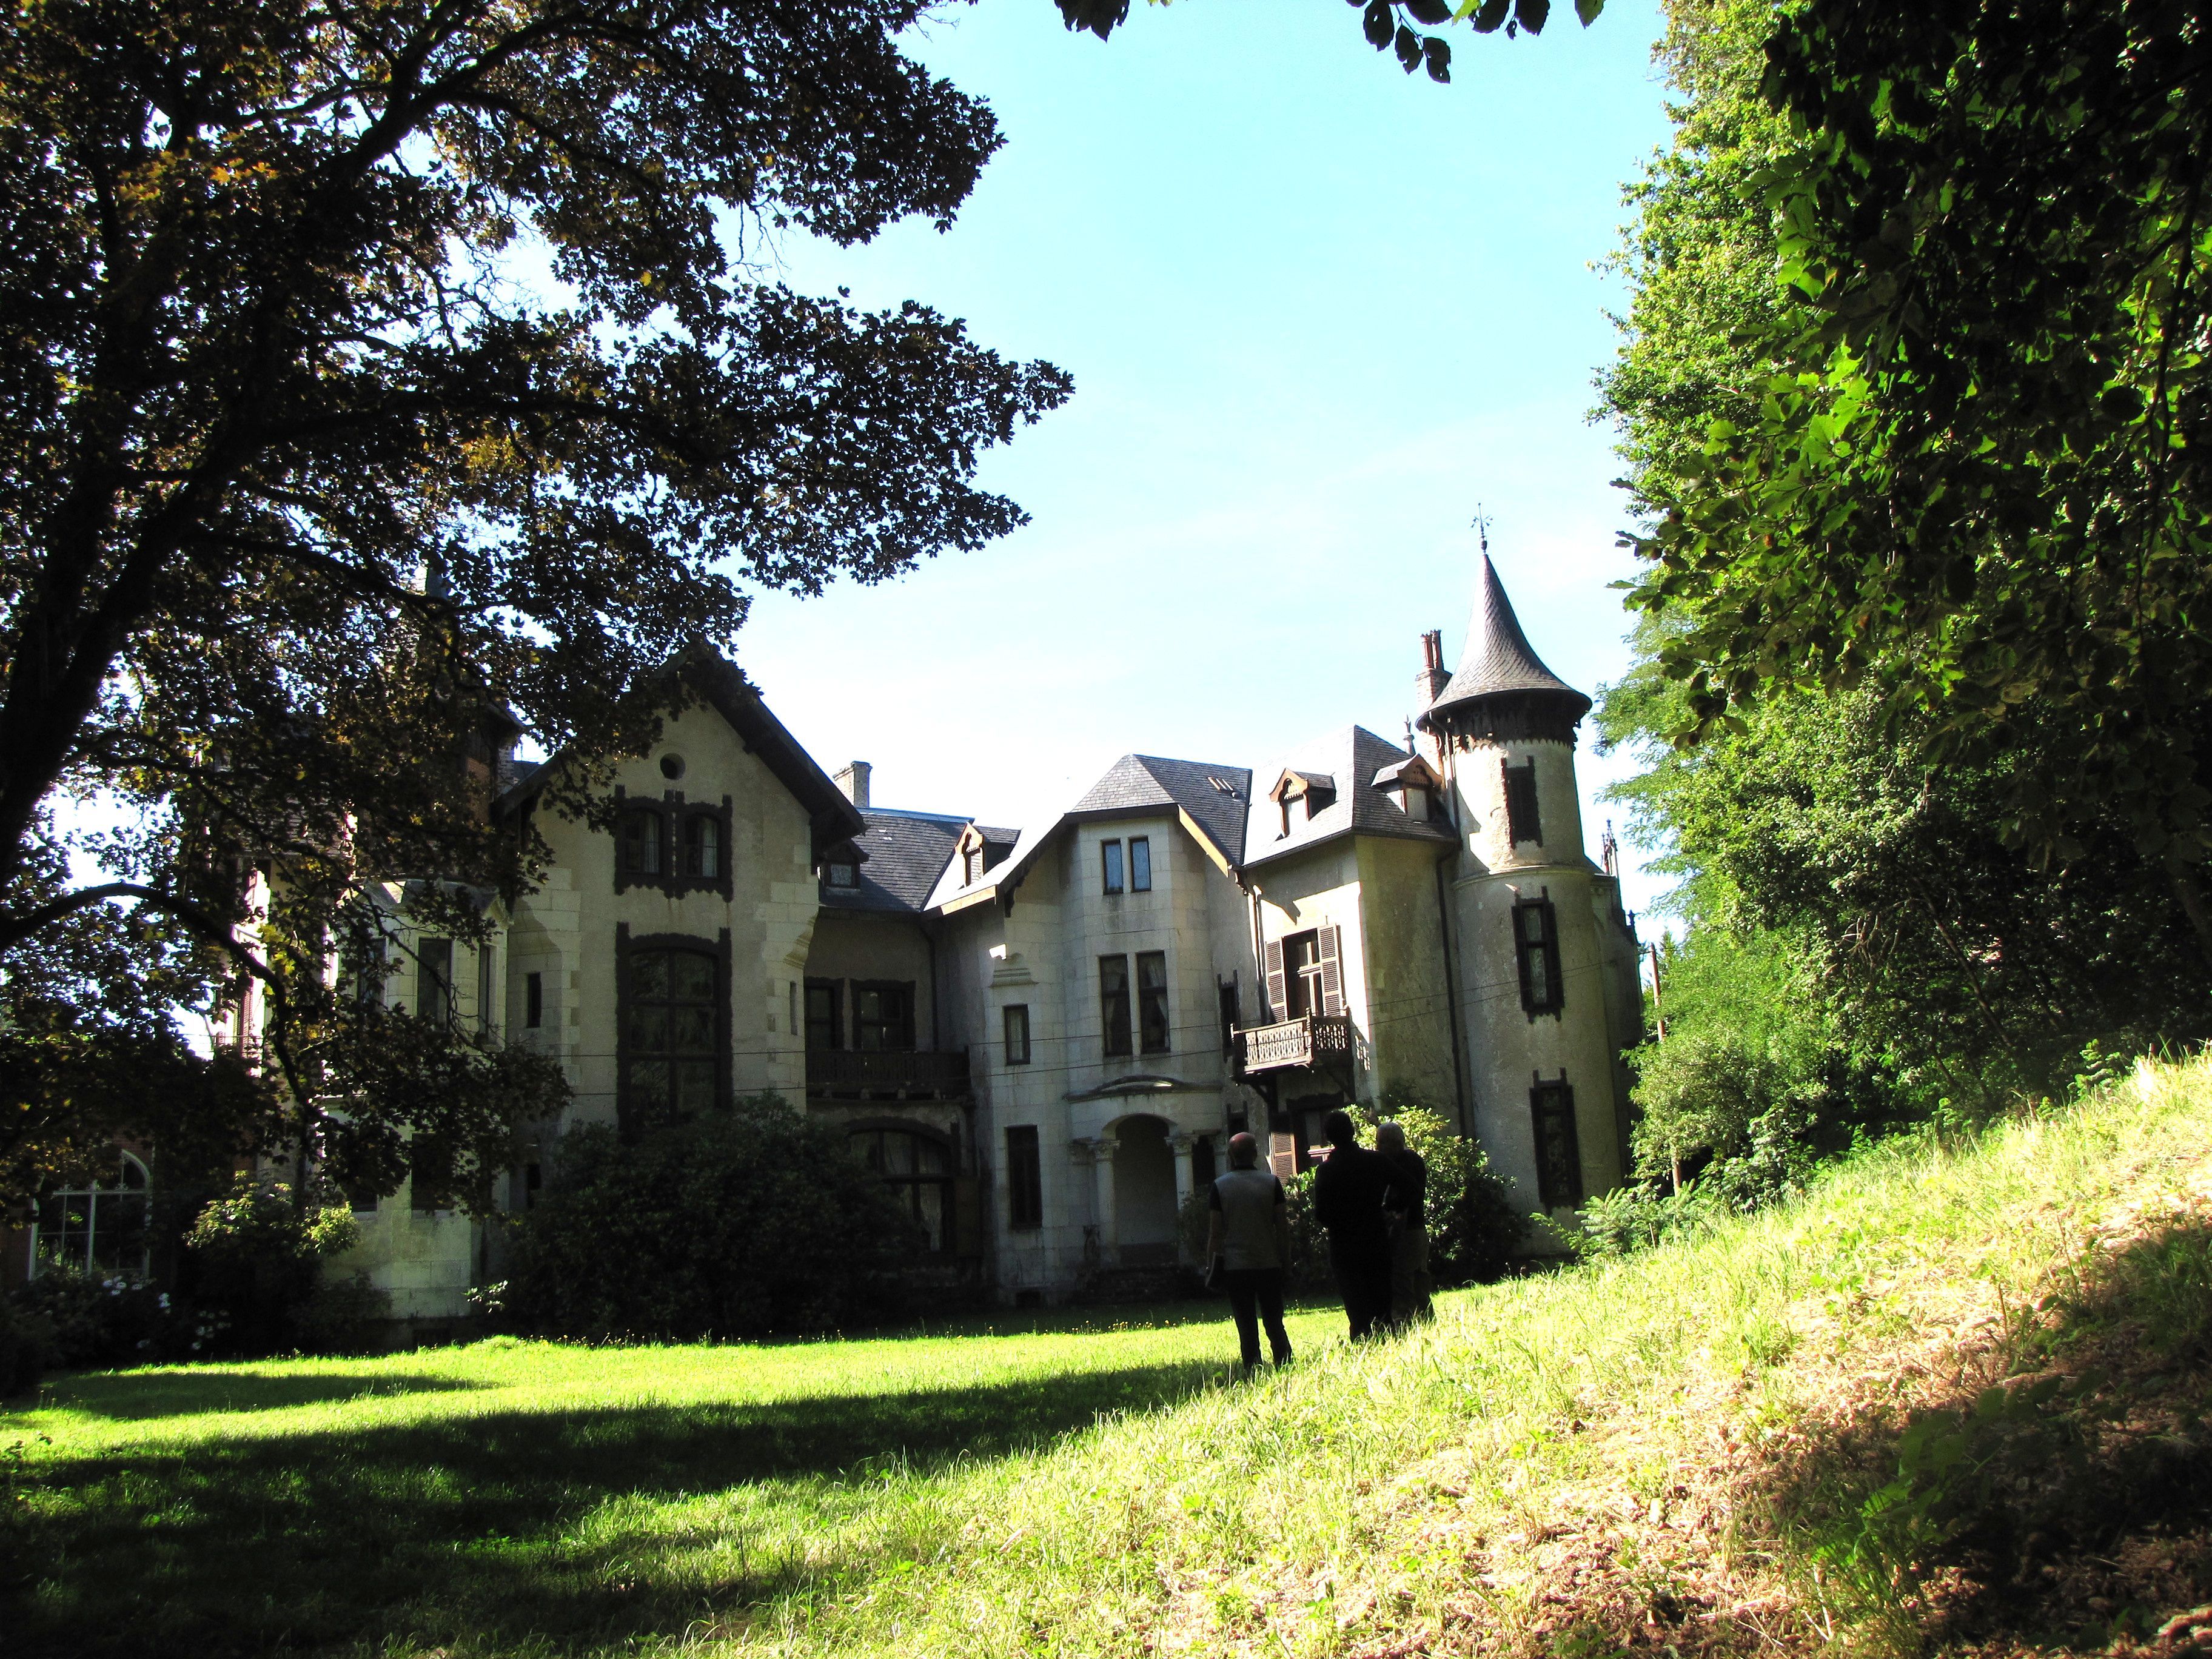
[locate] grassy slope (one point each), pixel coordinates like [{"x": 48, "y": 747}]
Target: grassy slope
[{"x": 1673, "y": 1451}]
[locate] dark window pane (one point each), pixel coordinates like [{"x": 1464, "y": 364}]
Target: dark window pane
[
  {"x": 691, "y": 976},
  {"x": 1153, "y": 1001},
  {"x": 646, "y": 1031},
  {"x": 1140, "y": 865},
  {"x": 703, "y": 847},
  {"x": 1114, "y": 1003},
  {"x": 533, "y": 1001},
  {"x": 433, "y": 978},
  {"x": 690, "y": 1031},
  {"x": 1017, "y": 1034},
  {"x": 821, "y": 1023},
  {"x": 1025, "y": 1179},
  {"x": 648, "y": 974},
  {"x": 1111, "y": 853}
]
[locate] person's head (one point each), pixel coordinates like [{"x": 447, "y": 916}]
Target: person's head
[
  {"x": 1337, "y": 1126},
  {"x": 1244, "y": 1150},
  {"x": 1389, "y": 1136}
]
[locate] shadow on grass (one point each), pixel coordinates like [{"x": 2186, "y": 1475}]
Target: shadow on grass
[
  {"x": 141, "y": 1396},
  {"x": 2061, "y": 1492},
  {"x": 464, "y": 1529}
]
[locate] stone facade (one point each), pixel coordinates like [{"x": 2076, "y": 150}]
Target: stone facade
[{"x": 1043, "y": 1036}]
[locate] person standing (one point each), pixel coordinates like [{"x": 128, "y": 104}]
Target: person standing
[
  {"x": 1410, "y": 1283},
  {"x": 1348, "y": 1191},
  {"x": 1249, "y": 1233}
]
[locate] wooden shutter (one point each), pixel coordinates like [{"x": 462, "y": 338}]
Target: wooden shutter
[
  {"x": 1278, "y": 998},
  {"x": 1332, "y": 971}
]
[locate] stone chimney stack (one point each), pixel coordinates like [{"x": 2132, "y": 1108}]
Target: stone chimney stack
[
  {"x": 1434, "y": 676},
  {"x": 853, "y": 779}
]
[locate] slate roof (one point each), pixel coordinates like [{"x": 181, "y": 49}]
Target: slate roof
[
  {"x": 1498, "y": 657},
  {"x": 1353, "y": 757},
  {"x": 1141, "y": 781},
  {"x": 904, "y": 853},
  {"x": 1134, "y": 783}
]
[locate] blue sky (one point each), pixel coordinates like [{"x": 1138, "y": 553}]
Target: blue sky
[{"x": 1316, "y": 311}]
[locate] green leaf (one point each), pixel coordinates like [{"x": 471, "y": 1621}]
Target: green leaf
[
  {"x": 1378, "y": 24},
  {"x": 1588, "y": 11},
  {"x": 1531, "y": 14}
]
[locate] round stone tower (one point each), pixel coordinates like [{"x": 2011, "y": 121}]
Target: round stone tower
[{"x": 1536, "y": 928}]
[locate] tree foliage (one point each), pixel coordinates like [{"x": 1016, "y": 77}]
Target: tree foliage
[
  {"x": 1969, "y": 473},
  {"x": 380, "y": 372}
]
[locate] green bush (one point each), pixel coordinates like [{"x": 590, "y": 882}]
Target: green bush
[
  {"x": 27, "y": 1348},
  {"x": 99, "y": 1321},
  {"x": 253, "y": 1262},
  {"x": 748, "y": 1220}
]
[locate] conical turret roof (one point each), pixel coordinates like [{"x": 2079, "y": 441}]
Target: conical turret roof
[{"x": 1498, "y": 659}]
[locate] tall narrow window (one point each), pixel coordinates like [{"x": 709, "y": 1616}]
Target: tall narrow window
[
  {"x": 1521, "y": 823},
  {"x": 702, "y": 846},
  {"x": 1153, "y": 1001},
  {"x": 1025, "y": 1180},
  {"x": 1558, "y": 1155},
  {"x": 488, "y": 1008},
  {"x": 533, "y": 1001},
  {"x": 1017, "y": 1034},
  {"x": 672, "y": 1021},
  {"x": 1109, "y": 861},
  {"x": 433, "y": 978},
  {"x": 823, "y": 1027},
  {"x": 971, "y": 865},
  {"x": 1302, "y": 974},
  {"x": 883, "y": 1015},
  {"x": 1113, "y": 1004},
  {"x": 1536, "y": 945},
  {"x": 1140, "y": 864},
  {"x": 1229, "y": 1015},
  {"x": 640, "y": 842},
  {"x": 794, "y": 1006}
]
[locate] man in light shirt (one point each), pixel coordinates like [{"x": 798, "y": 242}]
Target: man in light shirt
[{"x": 1248, "y": 1235}]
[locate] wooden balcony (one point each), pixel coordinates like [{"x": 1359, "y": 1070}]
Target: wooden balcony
[
  {"x": 1308, "y": 1040},
  {"x": 888, "y": 1074}
]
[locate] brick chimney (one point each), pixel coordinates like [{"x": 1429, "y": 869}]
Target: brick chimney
[
  {"x": 1434, "y": 676},
  {"x": 853, "y": 779}
]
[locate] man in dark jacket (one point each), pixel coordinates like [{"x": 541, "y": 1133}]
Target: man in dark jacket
[{"x": 1347, "y": 1195}]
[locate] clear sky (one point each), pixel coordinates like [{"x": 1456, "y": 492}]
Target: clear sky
[{"x": 1316, "y": 311}]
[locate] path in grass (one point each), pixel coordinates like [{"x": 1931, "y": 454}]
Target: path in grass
[{"x": 507, "y": 1495}]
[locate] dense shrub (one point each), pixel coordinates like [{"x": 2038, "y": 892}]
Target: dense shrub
[
  {"x": 253, "y": 1266},
  {"x": 101, "y": 1321},
  {"x": 747, "y": 1220},
  {"x": 27, "y": 1348}
]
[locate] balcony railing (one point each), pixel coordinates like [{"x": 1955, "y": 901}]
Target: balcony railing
[
  {"x": 897, "y": 1074},
  {"x": 1308, "y": 1040}
]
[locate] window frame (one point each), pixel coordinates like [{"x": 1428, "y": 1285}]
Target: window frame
[
  {"x": 946, "y": 1181},
  {"x": 1549, "y": 998},
  {"x": 1116, "y": 1030},
  {"x": 1524, "y": 820},
  {"x": 673, "y": 817},
  {"x": 1113, "y": 872},
  {"x": 1025, "y": 1179},
  {"x": 903, "y": 1029},
  {"x": 126, "y": 1162},
  {"x": 1140, "y": 864},
  {"x": 434, "y": 984},
  {"x": 834, "y": 989},
  {"x": 1556, "y": 1141},
  {"x": 628, "y": 1110},
  {"x": 1014, "y": 1020},
  {"x": 1155, "y": 1007},
  {"x": 533, "y": 1001}
]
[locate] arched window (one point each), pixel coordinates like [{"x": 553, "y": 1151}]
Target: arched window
[
  {"x": 672, "y": 1016},
  {"x": 100, "y": 1229},
  {"x": 918, "y": 1169},
  {"x": 640, "y": 842},
  {"x": 702, "y": 846}
]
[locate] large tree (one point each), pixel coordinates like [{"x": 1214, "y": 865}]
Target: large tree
[
  {"x": 377, "y": 368},
  {"x": 1972, "y": 471}
]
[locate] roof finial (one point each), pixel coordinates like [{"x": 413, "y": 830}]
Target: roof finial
[{"x": 1481, "y": 526}]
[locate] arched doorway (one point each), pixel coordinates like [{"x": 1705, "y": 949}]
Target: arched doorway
[{"x": 1144, "y": 1191}]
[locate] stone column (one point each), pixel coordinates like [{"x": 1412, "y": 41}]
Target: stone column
[
  {"x": 1102, "y": 1168},
  {"x": 1179, "y": 1140}
]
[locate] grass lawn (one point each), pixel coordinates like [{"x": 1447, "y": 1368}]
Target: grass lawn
[{"x": 1569, "y": 1464}]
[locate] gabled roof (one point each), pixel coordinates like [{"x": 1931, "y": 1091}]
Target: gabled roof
[
  {"x": 903, "y": 856},
  {"x": 725, "y": 689},
  {"x": 1209, "y": 798},
  {"x": 1135, "y": 781},
  {"x": 1356, "y": 756},
  {"x": 1497, "y": 657}
]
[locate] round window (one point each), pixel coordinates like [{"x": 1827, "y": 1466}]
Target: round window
[{"x": 672, "y": 766}]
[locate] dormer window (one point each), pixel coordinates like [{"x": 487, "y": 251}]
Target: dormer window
[
  {"x": 971, "y": 865},
  {"x": 1317, "y": 790},
  {"x": 840, "y": 874}
]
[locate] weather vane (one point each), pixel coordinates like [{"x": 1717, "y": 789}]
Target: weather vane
[{"x": 1481, "y": 525}]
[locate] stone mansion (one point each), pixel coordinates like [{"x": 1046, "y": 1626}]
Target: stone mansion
[{"x": 1041, "y": 1036}]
